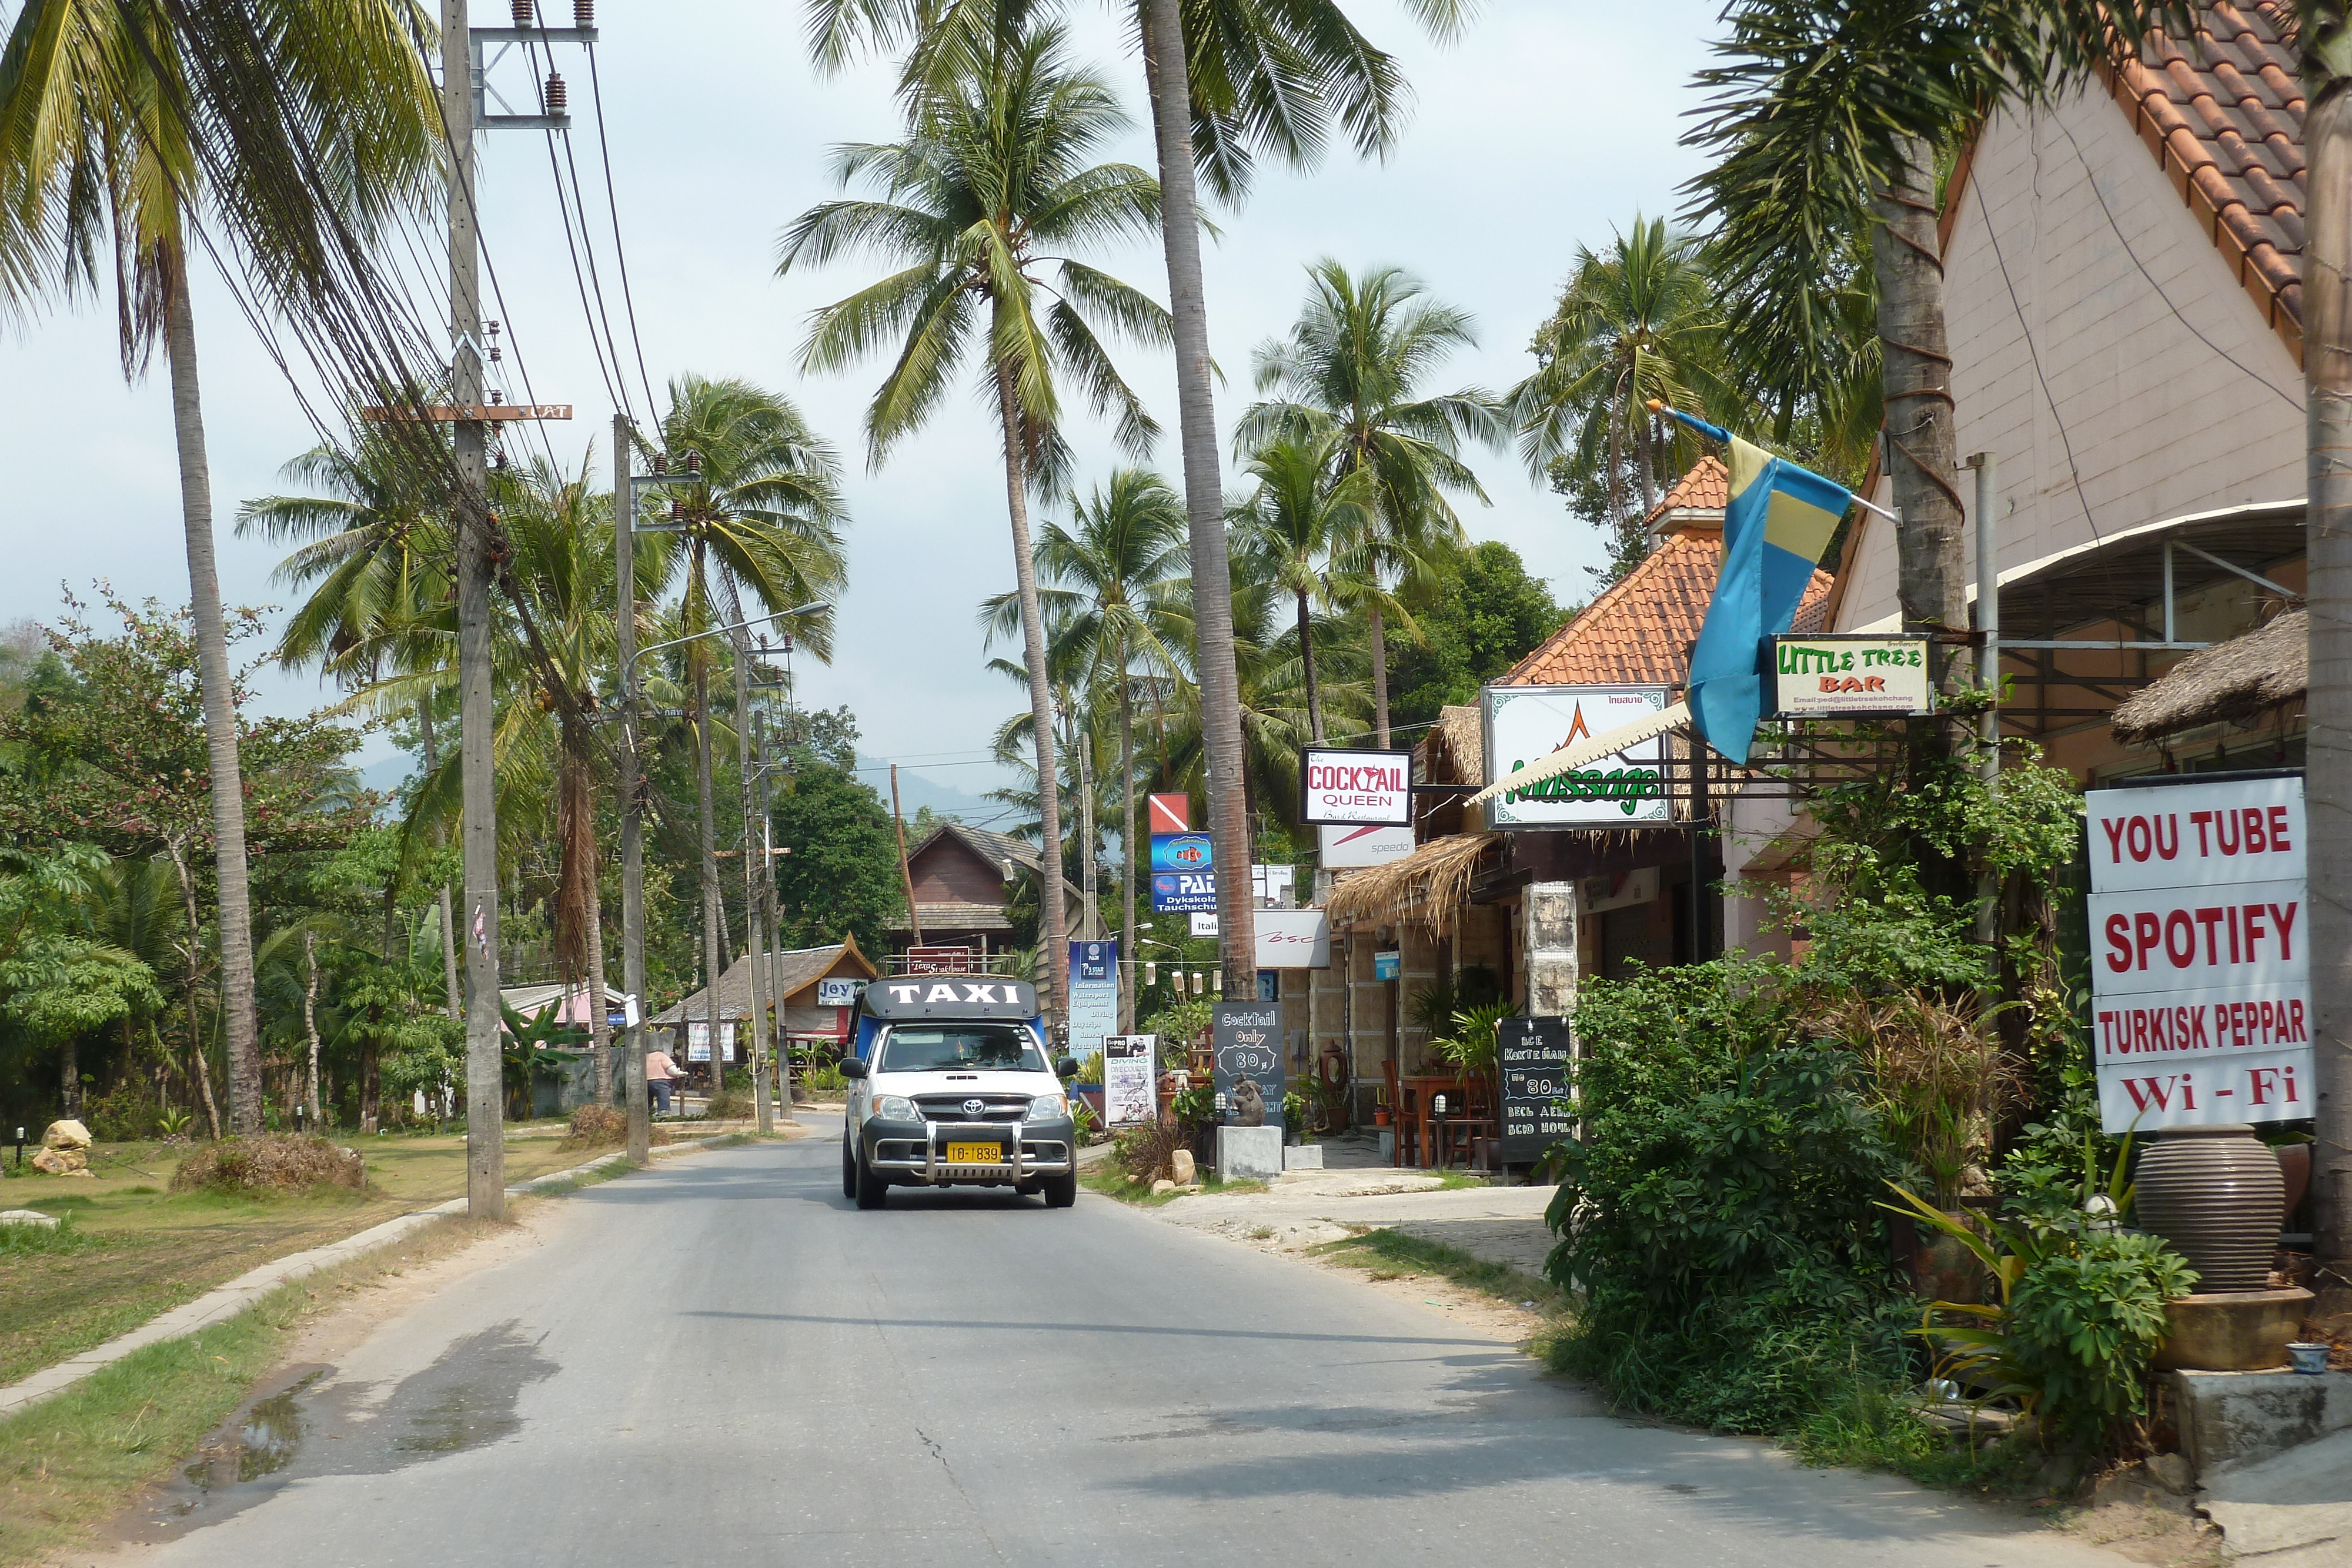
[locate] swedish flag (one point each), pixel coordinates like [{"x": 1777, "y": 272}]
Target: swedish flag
[{"x": 1778, "y": 525}]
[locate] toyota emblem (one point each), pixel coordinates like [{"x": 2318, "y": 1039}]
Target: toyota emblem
[{"x": 974, "y": 1107}]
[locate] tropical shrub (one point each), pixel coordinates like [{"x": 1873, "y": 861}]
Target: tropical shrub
[{"x": 271, "y": 1163}]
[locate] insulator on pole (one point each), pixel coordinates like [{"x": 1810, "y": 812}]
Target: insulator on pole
[
  {"x": 584, "y": 13},
  {"x": 525, "y": 12},
  {"x": 557, "y": 95}
]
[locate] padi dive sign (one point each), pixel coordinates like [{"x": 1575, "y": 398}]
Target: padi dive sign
[
  {"x": 1182, "y": 879},
  {"x": 1528, "y": 723}
]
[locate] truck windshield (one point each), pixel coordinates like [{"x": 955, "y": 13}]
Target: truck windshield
[{"x": 969, "y": 1047}]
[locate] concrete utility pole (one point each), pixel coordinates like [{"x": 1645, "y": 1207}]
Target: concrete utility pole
[
  {"x": 768, "y": 907},
  {"x": 633, "y": 807},
  {"x": 485, "y": 1196},
  {"x": 754, "y": 868},
  {"x": 1988, "y": 498}
]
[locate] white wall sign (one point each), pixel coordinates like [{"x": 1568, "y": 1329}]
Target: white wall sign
[
  {"x": 2200, "y": 970},
  {"x": 1130, "y": 1085},
  {"x": 1526, "y": 724},
  {"x": 1357, "y": 787},
  {"x": 838, "y": 992},
  {"x": 1855, "y": 675},
  {"x": 1293, "y": 939},
  {"x": 1345, "y": 849}
]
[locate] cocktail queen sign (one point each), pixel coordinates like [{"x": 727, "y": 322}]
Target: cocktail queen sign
[{"x": 2200, "y": 973}]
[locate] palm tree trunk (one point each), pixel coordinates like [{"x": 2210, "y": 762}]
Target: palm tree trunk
[
  {"x": 220, "y": 720},
  {"x": 1380, "y": 680},
  {"x": 1055, "y": 960},
  {"x": 1306, "y": 658},
  {"x": 1169, "y": 87},
  {"x": 197, "y": 1067},
  {"x": 310, "y": 1019},
  {"x": 1128, "y": 954},
  {"x": 1909, "y": 266},
  {"x": 2327, "y": 394}
]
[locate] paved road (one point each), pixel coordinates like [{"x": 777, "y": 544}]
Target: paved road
[{"x": 720, "y": 1360}]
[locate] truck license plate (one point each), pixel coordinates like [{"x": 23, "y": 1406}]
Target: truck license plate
[{"x": 975, "y": 1154}]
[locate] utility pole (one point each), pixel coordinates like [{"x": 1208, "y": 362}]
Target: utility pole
[
  {"x": 633, "y": 805},
  {"x": 754, "y": 867},
  {"x": 1086, "y": 836},
  {"x": 906, "y": 875},
  {"x": 1988, "y": 666},
  {"x": 485, "y": 1196},
  {"x": 768, "y": 904}
]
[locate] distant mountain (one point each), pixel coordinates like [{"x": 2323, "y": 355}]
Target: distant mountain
[
  {"x": 389, "y": 773},
  {"x": 919, "y": 788}
]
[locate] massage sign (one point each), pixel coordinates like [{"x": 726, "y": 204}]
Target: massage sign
[{"x": 2200, "y": 973}]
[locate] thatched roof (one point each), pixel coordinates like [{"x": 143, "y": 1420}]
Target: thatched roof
[
  {"x": 796, "y": 969},
  {"x": 1425, "y": 888},
  {"x": 2233, "y": 682}
]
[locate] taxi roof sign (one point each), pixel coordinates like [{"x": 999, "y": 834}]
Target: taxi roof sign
[{"x": 950, "y": 996}]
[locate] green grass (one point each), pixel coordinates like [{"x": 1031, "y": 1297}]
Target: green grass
[
  {"x": 143, "y": 1251},
  {"x": 1868, "y": 1427},
  {"x": 1111, "y": 1182},
  {"x": 1394, "y": 1255},
  {"x": 71, "y": 1461}
]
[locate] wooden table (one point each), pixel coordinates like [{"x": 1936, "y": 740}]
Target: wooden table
[{"x": 1417, "y": 1094}]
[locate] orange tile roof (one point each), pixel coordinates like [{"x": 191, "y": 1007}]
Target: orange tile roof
[
  {"x": 2222, "y": 112},
  {"x": 1705, "y": 488},
  {"x": 1639, "y": 632}
]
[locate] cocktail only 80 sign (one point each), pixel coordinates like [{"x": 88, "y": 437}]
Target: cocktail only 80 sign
[{"x": 2201, "y": 973}]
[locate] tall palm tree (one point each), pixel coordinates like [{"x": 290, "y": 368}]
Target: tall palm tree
[
  {"x": 1637, "y": 320},
  {"x": 1228, "y": 81},
  {"x": 1301, "y": 520},
  {"x": 103, "y": 146},
  {"x": 996, "y": 185},
  {"x": 1105, "y": 586},
  {"x": 1352, "y": 369}
]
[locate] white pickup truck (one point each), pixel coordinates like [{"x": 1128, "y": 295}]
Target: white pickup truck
[{"x": 951, "y": 1087}]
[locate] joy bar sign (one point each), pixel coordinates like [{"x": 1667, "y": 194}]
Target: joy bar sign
[{"x": 2201, "y": 972}]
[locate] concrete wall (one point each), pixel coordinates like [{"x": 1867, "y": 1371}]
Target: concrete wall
[{"x": 2159, "y": 424}]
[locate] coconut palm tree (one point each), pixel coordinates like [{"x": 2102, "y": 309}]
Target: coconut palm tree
[
  {"x": 1301, "y": 520},
  {"x": 1352, "y": 367},
  {"x": 994, "y": 187},
  {"x": 1105, "y": 584},
  {"x": 1636, "y": 321},
  {"x": 103, "y": 147},
  {"x": 1228, "y": 80}
]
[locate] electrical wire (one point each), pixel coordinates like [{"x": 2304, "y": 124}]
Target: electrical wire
[
  {"x": 607, "y": 351},
  {"x": 613, "y": 206}
]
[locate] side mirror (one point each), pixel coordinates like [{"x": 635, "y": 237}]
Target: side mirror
[
  {"x": 1067, "y": 1068},
  {"x": 852, "y": 1068}
]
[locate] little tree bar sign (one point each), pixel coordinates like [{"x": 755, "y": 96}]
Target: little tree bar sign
[
  {"x": 2200, "y": 970},
  {"x": 1852, "y": 677},
  {"x": 1344, "y": 787},
  {"x": 1536, "y": 1056}
]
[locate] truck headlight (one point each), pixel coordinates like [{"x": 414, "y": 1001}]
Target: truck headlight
[
  {"x": 1048, "y": 1108},
  {"x": 895, "y": 1108}
]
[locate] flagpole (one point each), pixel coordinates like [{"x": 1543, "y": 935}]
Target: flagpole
[{"x": 1717, "y": 433}]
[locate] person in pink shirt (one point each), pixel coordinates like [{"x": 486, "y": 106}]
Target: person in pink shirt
[{"x": 660, "y": 1071}]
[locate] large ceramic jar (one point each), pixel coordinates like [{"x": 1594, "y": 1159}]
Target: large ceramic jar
[{"x": 2215, "y": 1195}]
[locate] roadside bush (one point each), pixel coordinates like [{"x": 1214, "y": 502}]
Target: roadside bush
[
  {"x": 125, "y": 1114},
  {"x": 596, "y": 1127},
  {"x": 271, "y": 1163},
  {"x": 1143, "y": 1152},
  {"x": 1719, "y": 1216}
]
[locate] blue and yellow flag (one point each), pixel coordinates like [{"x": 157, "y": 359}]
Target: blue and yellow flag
[{"x": 1779, "y": 520}]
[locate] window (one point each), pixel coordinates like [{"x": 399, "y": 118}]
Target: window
[{"x": 961, "y": 1046}]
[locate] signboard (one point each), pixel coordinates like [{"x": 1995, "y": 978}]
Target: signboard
[
  {"x": 1356, "y": 787},
  {"x": 1526, "y": 724},
  {"x": 1342, "y": 849},
  {"x": 1616, "y": 889},
  {"x": 839, "y": 992},
  {"x": 1854, "y": 677},
  {"x": 1182, "y": 880},
  {"x": 950, "y": 996},
  {"x": 1131, "y": 1080},
  {"x": 1169, "y": 813},
  {"x": 2200, "y": 970},
  {"x": 1246, "y": 1037},
  {"x": 938, "y": 960},
  {"x": 1094, "y": 996},
  {"x": 1293, "y": 939},
  {"x": 1274, "y": 886},
  {"x": 1388, "y": 963},
  {"x": 1536, "y": 1057},
  {"x": 697, "y": 1042},
  {"x": 1202, "y": 924}
]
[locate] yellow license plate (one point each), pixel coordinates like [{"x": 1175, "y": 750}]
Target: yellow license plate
[{"x": 975, "y": 1154}]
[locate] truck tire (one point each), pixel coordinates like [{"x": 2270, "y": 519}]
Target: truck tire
[
  {"x": 848, "y": 1170},
  {"x": 1061, "y": 1191},
  {"x": 873, "y": 1191}
]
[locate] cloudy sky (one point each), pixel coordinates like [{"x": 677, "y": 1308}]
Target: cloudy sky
[{"x": 1549, "y": 124}]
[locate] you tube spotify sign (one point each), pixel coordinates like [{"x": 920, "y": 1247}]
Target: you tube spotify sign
[
  {"x": 1353, "y": 787},
  {"x": 2199, "y": 961}
]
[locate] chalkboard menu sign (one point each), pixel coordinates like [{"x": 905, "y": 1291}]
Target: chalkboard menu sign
[
  {"x": 1534, "y": 1055},
  {"x": 1247, "y": 1038}
]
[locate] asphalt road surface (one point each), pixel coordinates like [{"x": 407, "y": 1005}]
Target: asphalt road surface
[{"x": 721, "y": 1361}]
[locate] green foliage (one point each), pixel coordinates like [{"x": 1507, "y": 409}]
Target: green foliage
[
  {"x": 1719, "y": 1213},
  {"x": 1184, "y": 1024},
  {"x": 841, "y": 877},
  {"x": 1481, "y": 615},
  {"x": 1468, "y": 1045},
  {"x": 34, "y": 1241}
]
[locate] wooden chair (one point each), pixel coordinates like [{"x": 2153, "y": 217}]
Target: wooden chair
[
  {"x": 1458, "y": 1132},
  {"x": 1404, "y": 1119}
]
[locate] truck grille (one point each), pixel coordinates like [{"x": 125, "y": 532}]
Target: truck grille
[{"x": 951, "y": 1107}]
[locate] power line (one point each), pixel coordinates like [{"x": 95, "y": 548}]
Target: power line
[{"x": 628, "y": 300}]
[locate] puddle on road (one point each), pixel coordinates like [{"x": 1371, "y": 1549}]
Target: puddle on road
[{"x": 466, "y": 1399}]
